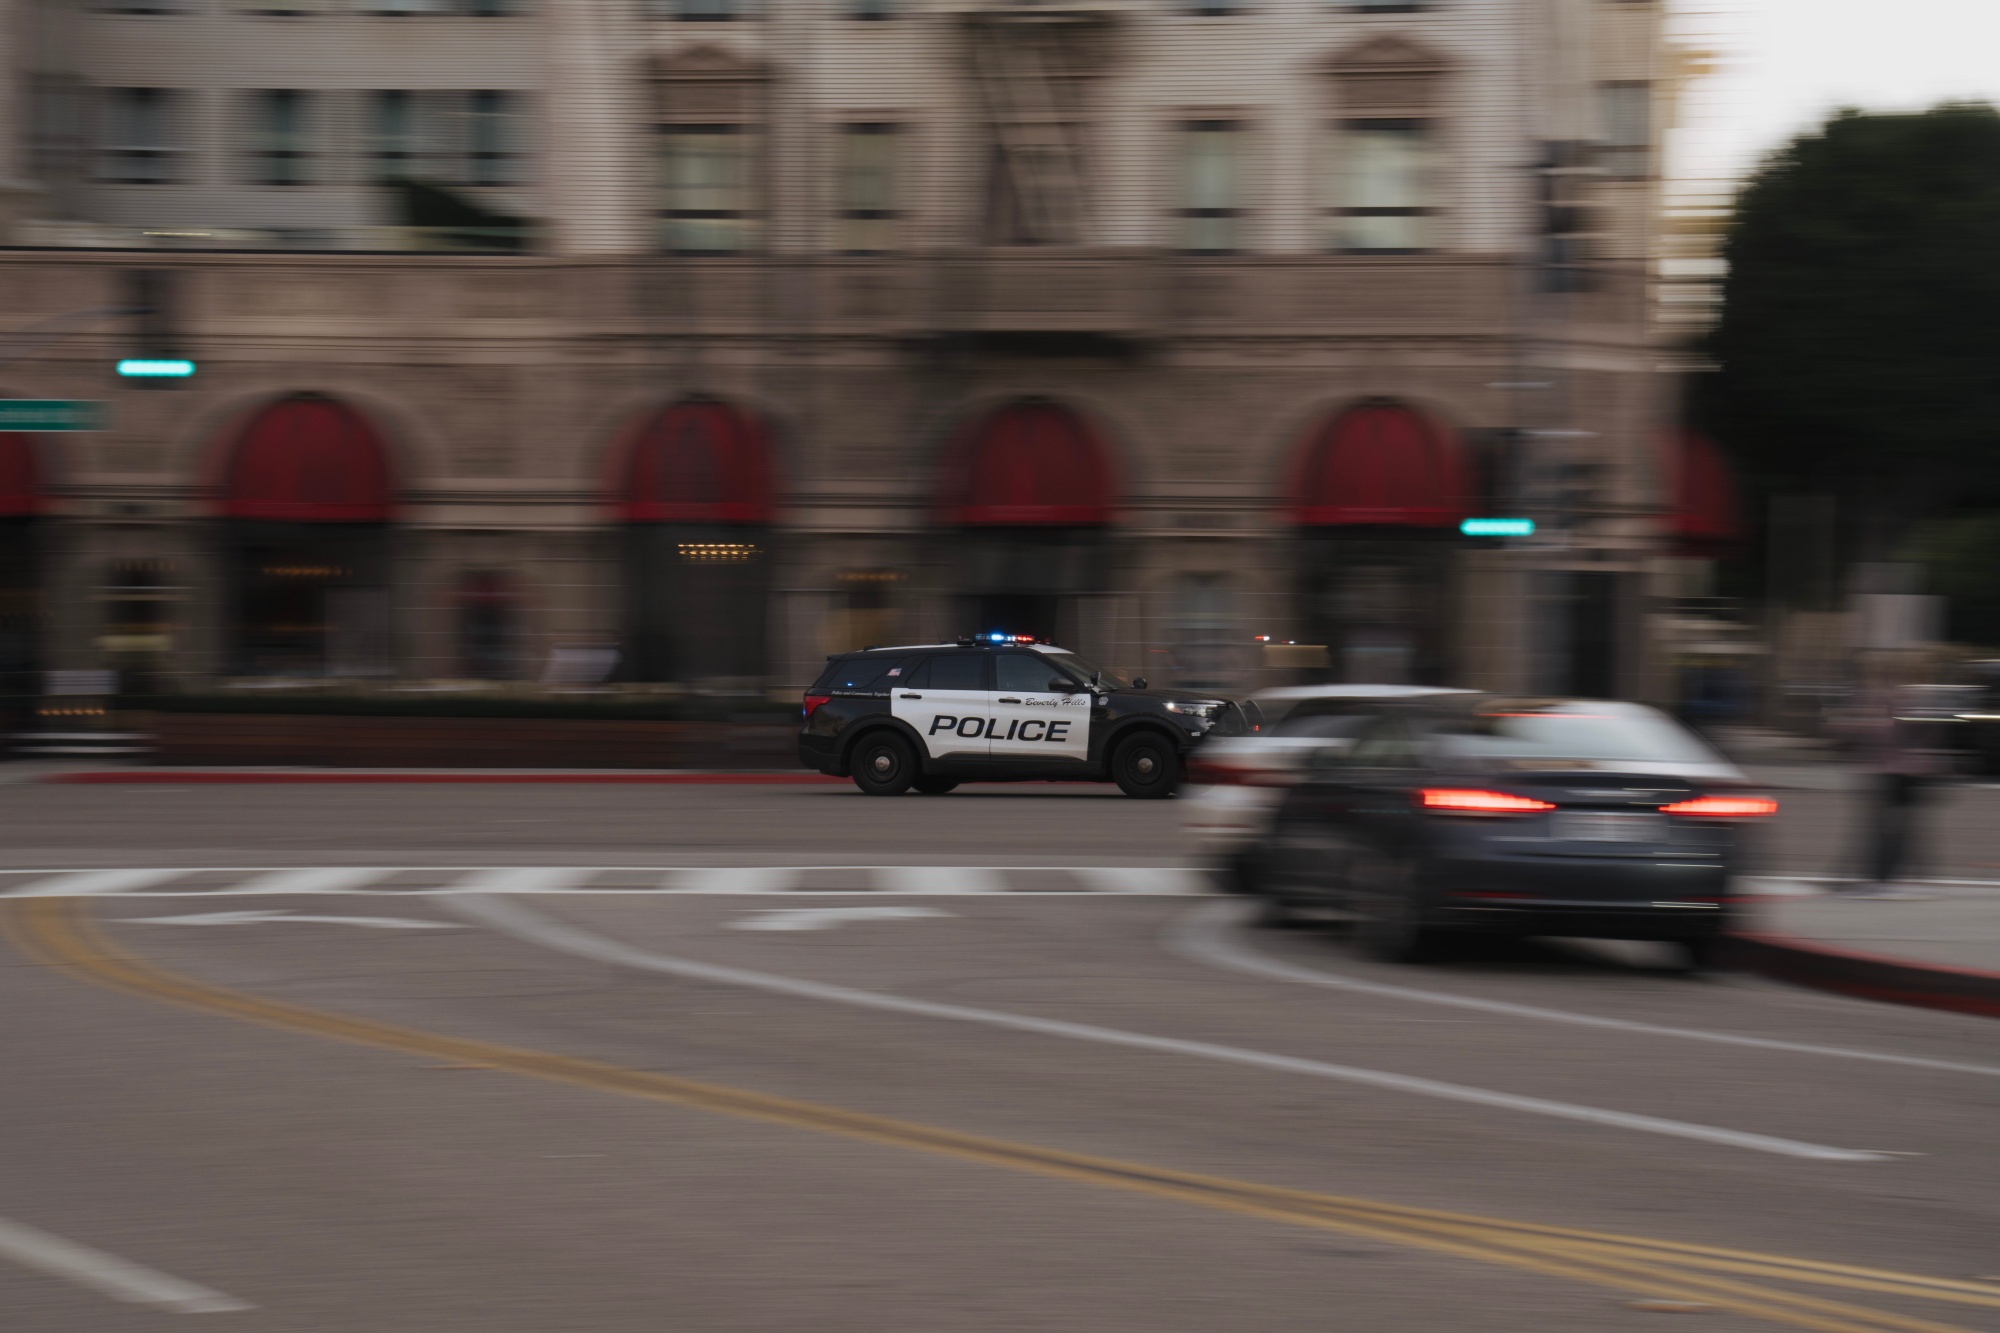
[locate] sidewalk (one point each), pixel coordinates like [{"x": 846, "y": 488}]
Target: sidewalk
[{"x": 1938, "y": 948}]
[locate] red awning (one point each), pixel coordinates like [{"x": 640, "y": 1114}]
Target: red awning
[
  {"x": 1028, "y": 465},
  {"x": 1705, "y": 519},
  {"x": 696, "y": 462},
  {"x": 20, "y": 476},
  {"x": 1381, "y": 465},
  {"x": 309, "y": 460}
]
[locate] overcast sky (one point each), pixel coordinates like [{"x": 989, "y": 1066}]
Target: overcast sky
[{"x": 1787, "y": 63}]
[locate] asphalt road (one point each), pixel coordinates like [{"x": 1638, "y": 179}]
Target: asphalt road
[{"x": 955, "y": 1107}]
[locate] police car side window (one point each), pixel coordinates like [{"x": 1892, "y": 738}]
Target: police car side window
[
  {"x": 1023, "y": 673},
  {"x": 869, "y": 674},
  {"x": 964, "y": 672}
]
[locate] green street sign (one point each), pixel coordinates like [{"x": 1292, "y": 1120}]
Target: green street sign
[{"x": 37, "y": 414}]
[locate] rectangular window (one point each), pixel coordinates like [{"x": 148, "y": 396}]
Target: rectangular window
[
  {"x": 392, "y": 135},
  {"x": 1383, "y": 177},
  {"x": 278, "y": 131},
  {"x": 138, "y": 136},
  {"x": 707, "y": 182},
  {"x": 868, "y": 155},
  {"x": 493, "y": 133},
  {"x": 699, "y": 11},
  {"x": 1211, "y": 186},
  {"x": 1626, "y": 109},
  {"x": 871, "y": 11}
]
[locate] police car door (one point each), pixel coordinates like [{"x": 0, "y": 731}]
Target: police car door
[
  {"x": 1032, "y": 720},
  {"x": 945, "y": 701}
]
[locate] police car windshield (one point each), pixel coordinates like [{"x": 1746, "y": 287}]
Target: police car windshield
[{"x": 1083, "y": 668}]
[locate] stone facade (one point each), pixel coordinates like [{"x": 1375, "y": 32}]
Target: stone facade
[{"x": 504, "y": 386}]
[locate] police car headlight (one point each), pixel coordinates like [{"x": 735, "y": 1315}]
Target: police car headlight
[{"x": 1204, "y": 711}]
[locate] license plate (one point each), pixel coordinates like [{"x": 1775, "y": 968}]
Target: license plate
[{"x": 1590, "y": 826}]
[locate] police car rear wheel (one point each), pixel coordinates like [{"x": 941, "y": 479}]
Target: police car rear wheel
[
  {"x": 932, "y": 785},
  {"x": 1146, "y": 767},
  {"x": 884, "y": 766}
]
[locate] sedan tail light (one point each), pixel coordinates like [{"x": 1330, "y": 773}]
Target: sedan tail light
[
  {"x": 1723, "y": 807},
  {"x": 813, "y": 701},
  {"x": 1463, "y": 801}
]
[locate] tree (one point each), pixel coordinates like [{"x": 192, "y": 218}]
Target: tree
[{"x": 1859, "y": 345}]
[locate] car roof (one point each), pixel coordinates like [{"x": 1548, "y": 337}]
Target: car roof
[{"x": 976, "y": 645}]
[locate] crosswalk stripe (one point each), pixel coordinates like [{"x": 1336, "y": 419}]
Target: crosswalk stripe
[
  {"x": 520, "y": 879},
  {"x": 938, "y": 880},
  {"x": 733, "y": 879},
  {"x": 1139, "y": 879},
  {"x": 79, "y": 883},
  {"x": 313, "y": 879}
]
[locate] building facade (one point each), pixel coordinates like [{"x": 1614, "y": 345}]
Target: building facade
[{"x": 692, "y": 340}]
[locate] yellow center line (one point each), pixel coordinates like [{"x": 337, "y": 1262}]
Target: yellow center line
[{"x": 61, "y": 932}]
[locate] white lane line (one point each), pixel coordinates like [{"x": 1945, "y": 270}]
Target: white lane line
[
  {"x": 312, "y": 879},
  {"x": 1200, "y": 936},
  {"x": 82, "y": 883},
  {"x": 513, "y": 919},
  {"x": 733, "y": 879},
  {"x": 1166, "y": 881},
  {"x": 253, "y": 918},
  {"x": 823, "y": 918},
  {"x": 518, "y": 879},
  {"x": 107, "y": 1274},
  {"x": 945, "y": 881}
]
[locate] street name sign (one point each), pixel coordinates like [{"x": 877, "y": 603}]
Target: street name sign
[{"x": 40, "y": 414}]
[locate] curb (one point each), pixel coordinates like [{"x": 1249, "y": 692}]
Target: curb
[
  {"x": 238, "y": 777},
  {"x": 1870, "y": 976}
]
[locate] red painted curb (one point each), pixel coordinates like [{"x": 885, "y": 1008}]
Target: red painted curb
[
  {"x": 1870, "y": 976},
  {"x": 230, "y": 777}
]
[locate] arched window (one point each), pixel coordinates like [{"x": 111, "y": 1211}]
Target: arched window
[
  {"x": 1705, "y": 519},
  {"x": 695, "y": 486},
  {"x": 1381, "y": 465},
  {"x": 700, "y": 461},
  {"x": 307, "y": 495},
  {"x": 1028, "y": 464},
  {"x": 309, "y": 459},
  {"x": 20, "y": 476}
]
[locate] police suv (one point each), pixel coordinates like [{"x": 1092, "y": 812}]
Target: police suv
[{"x": 1000, "y": 708}]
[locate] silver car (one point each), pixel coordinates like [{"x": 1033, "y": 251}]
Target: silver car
[{"x": 1234, "y": 783}]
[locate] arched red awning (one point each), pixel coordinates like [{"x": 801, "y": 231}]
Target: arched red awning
[
  {"x": 1381, "y": 465},
  {"x": 1705, "y": 520},
  {"x": 1028, "y": 465},
  {"x": 699, "y": 461},
  {"x": 309, "y": 460},
  {"x": 20, "y": 476}
]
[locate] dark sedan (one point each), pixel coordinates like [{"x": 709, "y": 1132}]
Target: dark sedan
[{"x": 1578, "y": 817}]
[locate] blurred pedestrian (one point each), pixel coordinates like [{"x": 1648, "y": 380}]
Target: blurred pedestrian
[{"x": 1902, "y": 758}]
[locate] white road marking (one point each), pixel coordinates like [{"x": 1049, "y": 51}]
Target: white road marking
[
  {"x": 312, "y": 879},
  {"x": 733, "y": 879},
  {"x": 260, "y": 917},
  {"x": 1199, "y": 935},
  {"x": 513, "y": 919},
  {"x": 519, "y": 879},
  {"x": 746, "y": 881},
  {"x": 107, "y": 1274},
  {"x": 945, "y": 880},
  {"x": 821, "y": 918},
  {"x": 82, "y": 883},
  {"x": 1168, "y": 880}
]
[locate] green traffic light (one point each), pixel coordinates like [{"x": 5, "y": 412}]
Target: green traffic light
[{"x": 166, "y": 369}]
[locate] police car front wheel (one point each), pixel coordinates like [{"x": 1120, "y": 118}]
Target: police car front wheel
[
  {"x": 884, "y": 766},
  {"x": 1146, "y": 766}
]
